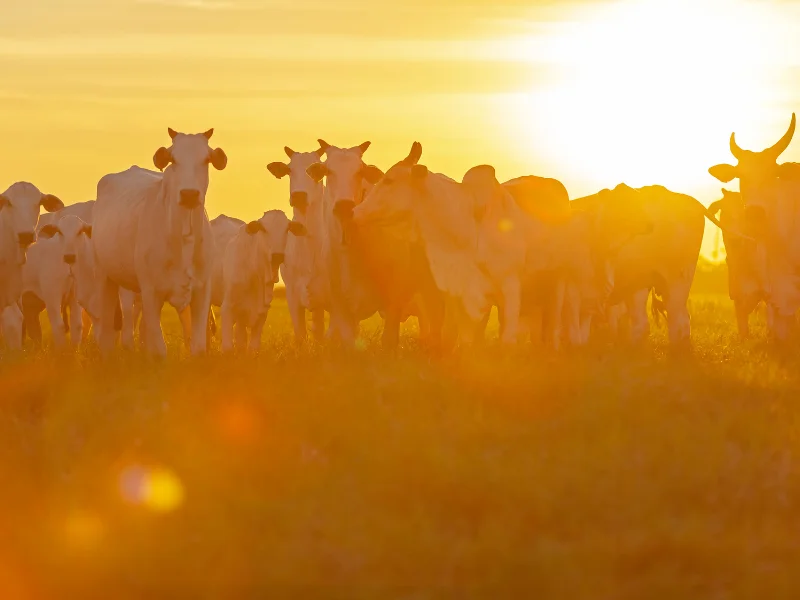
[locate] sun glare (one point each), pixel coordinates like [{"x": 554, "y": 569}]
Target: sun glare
[{"x": 646, "y": 91}]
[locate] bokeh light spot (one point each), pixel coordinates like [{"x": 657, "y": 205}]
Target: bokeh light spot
[
  {"x": 505, "y": 225},
  {"x": 157, "y": 489}
]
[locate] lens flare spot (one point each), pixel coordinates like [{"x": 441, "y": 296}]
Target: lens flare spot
[
  {"x": 84, "y": 530},
  {"x": 239, "y": 422},
  {"x": 505, "y": 225},
  {"x": 157, "y": 489}
]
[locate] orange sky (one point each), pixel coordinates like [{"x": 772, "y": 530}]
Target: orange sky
[{"x": 593, "y": 92}]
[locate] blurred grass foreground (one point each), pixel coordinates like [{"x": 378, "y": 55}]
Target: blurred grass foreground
[{"x": 305, "y": 473}]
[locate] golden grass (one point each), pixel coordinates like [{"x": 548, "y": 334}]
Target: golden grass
[{"x": 492, "y": 474}]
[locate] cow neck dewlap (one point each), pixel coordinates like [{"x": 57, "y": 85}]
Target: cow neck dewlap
[{"x": 186, "y": 233}]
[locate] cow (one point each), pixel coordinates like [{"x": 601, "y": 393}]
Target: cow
[
  {"x": 19, "y": 213},
  {"x": 770, "y": 193},
  {"x": 747, "y": 285},
  {"x": 60, "y": 273},
  {"x": 352, "y": 296},
  {"x": 82, "y": 210},
  {"x": 664, "y": 260},
  {"x": 304, "y": 273},
  {"x": 152, "y": 236},
  {"x": 11, "y": 326},
  {"x": 250, "y": 266}
]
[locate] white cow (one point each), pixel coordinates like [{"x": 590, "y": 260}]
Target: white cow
[
  {"x": 747, "y": 268},
  {"x": 11, "y": 326},
  {"x": 352, "y": 296},
  {"x": 250, "y": 267},
  {"x": 304, "y": 270},
  {"x": 60, "y": 273},
  {"x": 771, "y": 193},
  {"x": 152, "y": 235},
  {"x": 19, "y": 213}
]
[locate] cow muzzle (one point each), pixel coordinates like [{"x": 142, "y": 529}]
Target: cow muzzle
[
  {"x": 26, "y": 238},
  {"x": 189, "y": 198},
  {"x": 299, "y": 200},
  {"x": 69, "y": 259}
]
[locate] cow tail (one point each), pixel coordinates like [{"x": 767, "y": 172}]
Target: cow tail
[
  {"x": 65, "y": 317},
  {"x": 658, "y": 307}
]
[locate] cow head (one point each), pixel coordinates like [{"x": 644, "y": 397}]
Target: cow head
[
  {"x": 186, "y": 163},
  {"x": 302, "y": 188},
  {"x": 391, "y": 199},
  {"x": 20, "y": 205},
  {"x": 275, "y": 228},
  {"x": 758, "y": 173},
  {"x": 72, "y": 235},
  {"x": 345, "y": 172}
]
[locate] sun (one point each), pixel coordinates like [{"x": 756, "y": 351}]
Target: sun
[{"x": 648, "y": 91}]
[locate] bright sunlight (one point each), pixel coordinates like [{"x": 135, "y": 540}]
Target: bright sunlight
[{"x": 647, "y": 90}]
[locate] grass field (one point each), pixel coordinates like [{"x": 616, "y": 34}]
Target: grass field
[{"x": 491, "y": 474}]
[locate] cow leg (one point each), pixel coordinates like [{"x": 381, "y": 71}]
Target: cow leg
[
  {"x": 432, "y": 317},
  {"x": 572, "y": 316},
  {"x": 56, "y": 324},
  {"x": 512, "y": 303},
  {"x": 391, "y": 329},
  {"x": 241, "y": 337},
  {"x": 227, "y": 328},
  {"x": 129, "y": 316},
  {"x": 297, "y": 312},
  {"x": 256, "y": 332},
  {"x": 637, "y": 312},
  {"x": 552, "y": 315},
  {"x": 185, "y": 317},
  {"x": 12, "y": 324},
  {"x": 151, "y": 323},
  {"x": 200, "y": 305},
  {"x": 743, "y": 310},
  {"x": 678, "y": 321}
]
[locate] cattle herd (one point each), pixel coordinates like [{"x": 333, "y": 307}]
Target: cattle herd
[{"x": 400, "y": 243}]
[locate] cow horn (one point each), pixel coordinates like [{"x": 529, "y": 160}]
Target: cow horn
[
  {"x": 289, "y": 152},
  {"x": 414, "y": 155},
  {"x": 323, "y": 145},
  {"x": 735, "y": 150},
  {"x": 172, "y": 133},
  {"x": 784, "y": 142}
]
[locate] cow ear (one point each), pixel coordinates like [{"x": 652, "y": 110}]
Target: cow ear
[
  {"x": 87, "y": 230},
  {"x": 297, "y": 228},
  {"x": 419, "y": 171},
  {"x": 162, "y": 158},
  {"x": 48, "y": 231},
  {"x": 364, "y": 147},
  {"x": 715, "y": 207},
  {"x": 51, "y": 203},
  {"x": 253, "y": 227},
  {"x": 278, "y": 169},
  {"x": 317, "y": 171},
  {"x": 219, "y": 159},
  {"x": 372, "y": 174},
  {"x": 724, "y": 173}
]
